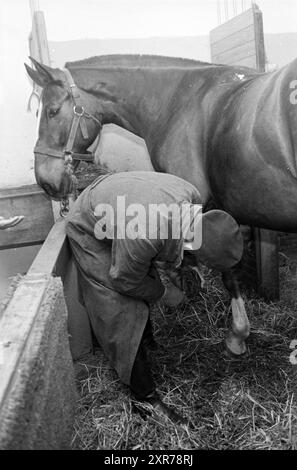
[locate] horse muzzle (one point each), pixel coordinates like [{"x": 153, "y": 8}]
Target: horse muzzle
[{"x": 54, "y": 178}]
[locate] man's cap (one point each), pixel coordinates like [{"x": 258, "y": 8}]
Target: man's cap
[{"x": 222, "y": 242}]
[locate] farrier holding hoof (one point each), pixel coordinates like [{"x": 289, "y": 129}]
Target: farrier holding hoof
[{"x": 117, "y": 269}]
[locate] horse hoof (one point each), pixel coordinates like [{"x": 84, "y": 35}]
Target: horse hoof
[{"x": 235, "y": 346}]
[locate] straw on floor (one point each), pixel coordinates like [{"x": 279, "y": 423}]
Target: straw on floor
[{"x": 232, "y": 403}]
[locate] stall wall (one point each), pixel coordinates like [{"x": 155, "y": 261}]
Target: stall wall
[{"x": 17, "y": 126}]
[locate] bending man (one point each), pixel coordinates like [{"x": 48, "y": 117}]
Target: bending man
[{"x": 117, "y": 254}]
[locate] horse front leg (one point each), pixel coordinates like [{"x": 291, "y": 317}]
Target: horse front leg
[{"x": 240, "y": 329}]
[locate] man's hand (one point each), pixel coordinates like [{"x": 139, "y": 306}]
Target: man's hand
[
  {"x": 173, "y": 296},
  {"x": 169, "y": 275},
  {"x": 11, "y": 222}
]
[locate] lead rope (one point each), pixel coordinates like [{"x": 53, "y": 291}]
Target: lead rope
[{"x": 65, "y": 204}]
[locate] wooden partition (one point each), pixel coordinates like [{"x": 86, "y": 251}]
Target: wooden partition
[
  {"x": 31, "y": 202},
  {"x": 240, "y": 41}
]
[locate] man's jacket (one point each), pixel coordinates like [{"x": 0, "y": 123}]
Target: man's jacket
[{"x": 131, "y": 270}]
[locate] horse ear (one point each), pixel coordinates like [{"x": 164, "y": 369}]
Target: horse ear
[
  {"x": 36, "y": 77},
  {"x": 43, "y": 69},
  {"x": 43, "y": 75}
]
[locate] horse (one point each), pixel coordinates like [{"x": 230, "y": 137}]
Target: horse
[{"x": 228, "y": 130}]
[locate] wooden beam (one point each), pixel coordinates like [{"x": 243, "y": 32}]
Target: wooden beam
[
  {"x": 54, "y": 255},
  {"x": 55, "y": 258},
  {"x": 39, "y": 29},
  {"x": 259, "y": 37},
  {"x": 267, "y": 248},
  {"x": 246, "y": 61},
  {"x": 231, "y": 42},
  {"x": 235, "y": 54}
]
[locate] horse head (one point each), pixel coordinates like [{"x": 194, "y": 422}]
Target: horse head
[{"x": 69, "y": 124}]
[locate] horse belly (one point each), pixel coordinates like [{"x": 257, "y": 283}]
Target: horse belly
[
  {"x": 253, "y": 192},
  {"x": 181, "y": 154}
]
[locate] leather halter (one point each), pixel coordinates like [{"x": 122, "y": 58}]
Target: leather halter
[{"x": 78, "y": 120}]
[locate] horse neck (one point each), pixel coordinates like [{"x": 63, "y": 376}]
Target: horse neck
[{"x": 133, "y": 98}]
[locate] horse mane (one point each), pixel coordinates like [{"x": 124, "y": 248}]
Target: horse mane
[{"x": 135, "y": 60}]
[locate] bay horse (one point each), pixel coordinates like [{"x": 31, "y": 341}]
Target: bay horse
[{"x": 228, "y": 130}]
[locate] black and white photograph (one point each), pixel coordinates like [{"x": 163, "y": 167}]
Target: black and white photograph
[{"x": 148, "y": 228}]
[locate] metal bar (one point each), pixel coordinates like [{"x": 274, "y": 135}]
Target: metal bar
[
  {"x": 235, "y": 7},
  {"x": 226, "y": 10},
  {"x": 219, "y": 12}
]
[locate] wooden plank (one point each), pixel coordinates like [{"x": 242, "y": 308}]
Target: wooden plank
[
  {"x": 267, "y": 247},
  {"x": 250, "y": 62},
  {"x": 235, "y": 55},
  {"x": 259, "y": 38},
  {"x": 39, "y": 29},
  {"x": 31, "y": 202},
  {"x": 232, "y": 26},
  {"x": 54, "y": 255},
  {"x": 55, "y": 258},
  {"x": 231, "y": 42}
]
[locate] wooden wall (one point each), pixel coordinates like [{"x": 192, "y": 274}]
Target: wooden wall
[
  {"x": 31, "y": 202},
  {"x": 240, "y": 41}
]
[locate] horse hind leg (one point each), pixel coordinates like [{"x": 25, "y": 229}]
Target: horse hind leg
[{"x": 240, "y": 330}]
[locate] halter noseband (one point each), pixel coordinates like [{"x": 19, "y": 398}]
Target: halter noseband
[{"x": 78, "y": 120}]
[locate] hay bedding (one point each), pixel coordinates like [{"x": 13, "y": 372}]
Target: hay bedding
[{"x": 246, "y": 403}]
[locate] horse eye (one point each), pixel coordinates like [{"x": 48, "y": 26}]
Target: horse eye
[{"x": 53, "y": 112}]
